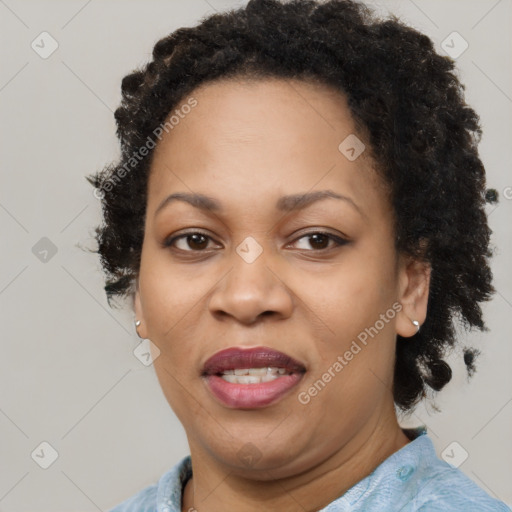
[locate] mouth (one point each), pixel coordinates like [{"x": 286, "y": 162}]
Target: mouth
[{"x": 252, "y": 377}]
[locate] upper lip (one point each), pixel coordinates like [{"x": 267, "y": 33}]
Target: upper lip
[{"x": 255, "y": 357}]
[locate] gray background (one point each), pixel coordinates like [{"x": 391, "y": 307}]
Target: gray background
[{"x": 68, "y": 375}]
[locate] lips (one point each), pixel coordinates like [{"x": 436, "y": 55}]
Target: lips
[
  {"x": 259, "y": 357},
  {"x": 237, "y": 377}
]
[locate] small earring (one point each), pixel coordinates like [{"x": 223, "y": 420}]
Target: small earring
[
  {"x": 137, "y": 323},
  {"x": 417, "y": 324}
]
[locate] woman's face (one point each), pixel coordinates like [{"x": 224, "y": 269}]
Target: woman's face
[{"x": 317, "y": 280}]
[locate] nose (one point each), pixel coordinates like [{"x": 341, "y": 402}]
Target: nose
[{"x": 251, "y": 291}]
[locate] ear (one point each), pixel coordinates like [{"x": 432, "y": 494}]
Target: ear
[
  {"x": 414, "y": 283},
  {"x": 142, "y": 330}
]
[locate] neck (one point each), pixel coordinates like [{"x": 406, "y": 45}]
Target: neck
[{"x": 216, "y": 488}]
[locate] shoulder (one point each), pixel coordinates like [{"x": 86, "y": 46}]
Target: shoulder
[
  {"x": 449, "y": 489},
  {"x": 165, "y": 493},
  {"x": 440, "y": 487},
  {"x": 415, "y": 479},
  {"x": 143, "y": 501}
]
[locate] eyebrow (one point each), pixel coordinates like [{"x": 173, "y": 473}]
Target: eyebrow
[{"x": 285, "y": 203}]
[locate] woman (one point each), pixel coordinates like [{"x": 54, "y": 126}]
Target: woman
[{"x": 298, "y": 215}]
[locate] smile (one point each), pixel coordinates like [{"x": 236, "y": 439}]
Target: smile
[
  {"x": 251, "y": 378},
  {"x": 252, "y": 375}
]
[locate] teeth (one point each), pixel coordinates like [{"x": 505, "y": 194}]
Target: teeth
[
  {"x": 252, "y": 375},
  {"x": 249, "y": 379},
  {"x": 258, "y": 372},
  {"x": 255, "y": 372}
]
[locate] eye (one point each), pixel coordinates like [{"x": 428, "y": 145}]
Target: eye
[
  {"x": 320, "y": 240},
  {"x": 195, "y": 240}
]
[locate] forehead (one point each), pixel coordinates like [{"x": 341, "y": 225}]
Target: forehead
[
  {"x": 245, "y": 111},
  {"x": 255, "y": 137}
]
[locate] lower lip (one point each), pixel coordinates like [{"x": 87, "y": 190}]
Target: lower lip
[{"x": 251, "y": 396}]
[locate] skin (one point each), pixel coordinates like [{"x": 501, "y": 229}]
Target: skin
[{"x": 246, "y": 144}]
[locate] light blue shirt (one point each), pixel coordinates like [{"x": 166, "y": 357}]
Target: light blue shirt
[{"x": 411, "y": 479}]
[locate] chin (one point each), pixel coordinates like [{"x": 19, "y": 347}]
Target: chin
[{"x": 257, "y": 458}]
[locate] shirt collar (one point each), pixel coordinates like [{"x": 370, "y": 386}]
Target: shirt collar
[{"x": 392, "y": 472}]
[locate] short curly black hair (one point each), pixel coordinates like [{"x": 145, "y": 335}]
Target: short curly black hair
[{"x": 408, "y": 104}]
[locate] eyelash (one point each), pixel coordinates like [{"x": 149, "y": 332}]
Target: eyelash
[{"x": 339, "y": 241}]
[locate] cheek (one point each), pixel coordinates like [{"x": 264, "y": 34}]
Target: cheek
[
  {"x": 349, "y": 296},
  {"x": 172, "y": 307},
  {"x": 170, "y": 304},
  {"x": 169, "y": 293},
  {"x": 354, "y": 301}
]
